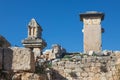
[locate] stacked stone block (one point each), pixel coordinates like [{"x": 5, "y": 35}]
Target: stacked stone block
[
  {"x": 88, "y": 68},
  {"x": 17, "y": 59}
]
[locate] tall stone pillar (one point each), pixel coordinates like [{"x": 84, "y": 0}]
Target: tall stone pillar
[
  {"x": 34, "y": 40},
  {"x": 92, "y": 31}
]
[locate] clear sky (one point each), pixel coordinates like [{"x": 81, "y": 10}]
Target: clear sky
[{"x": 60, "y": 21}]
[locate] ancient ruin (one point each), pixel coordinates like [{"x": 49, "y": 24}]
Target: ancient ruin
[
  {"x": 56, "y": 52},
  {"x": 34, "y": 40},
  {"x": 28, "y": 63},
  {"x": 92, "y": 30}
]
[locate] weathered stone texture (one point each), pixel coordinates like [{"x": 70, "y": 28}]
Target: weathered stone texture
[
  {"x": 88, "y": 68},
  {"x": 23, "y": 60},
  {"x": 18, "y": 59},
  {"x": 8, "y": 57},
  {"x": 1, "y": 52},
  {"x": 29, "y": 76},
  {"x": 34, "y": 39},
  {"x": 92, "y": 30},
  {"x": 92, "y": 38},
  {"x": 37, "y": 52},
  {"x": 32, "y": 76},
  {"x": 56, "y": 52}
]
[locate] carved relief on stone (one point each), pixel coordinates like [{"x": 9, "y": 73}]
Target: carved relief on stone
[
  {"x": 87, "y": 21},
  {"x": 96, "y": 21},
  {"x": 91, "y": 21},
  {"x": 34, "y": 29}
]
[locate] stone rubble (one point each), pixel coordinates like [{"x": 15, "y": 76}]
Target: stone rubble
[
  {"x": 88, "y": 68},
  {"x": 29, "y": 76},
  {"x": 56, "y": 52},
  {"x": 18, "y": 64}
]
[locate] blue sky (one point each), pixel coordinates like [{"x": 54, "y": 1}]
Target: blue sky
[{"x": 59, "y": 20}]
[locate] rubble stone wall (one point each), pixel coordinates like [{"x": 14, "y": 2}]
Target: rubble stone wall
[
  {"x": 88, "y": 68},
  {"x": 18, "y": 64}
]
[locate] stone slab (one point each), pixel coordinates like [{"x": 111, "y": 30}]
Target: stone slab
[
  {"x": 92, "y": 38},
  {"x": 19, "y": 59}
]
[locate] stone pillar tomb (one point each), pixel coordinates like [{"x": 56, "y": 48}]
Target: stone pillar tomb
[
  {"x": 34, "y": 40},
  {"x": 92, "y": 30}
]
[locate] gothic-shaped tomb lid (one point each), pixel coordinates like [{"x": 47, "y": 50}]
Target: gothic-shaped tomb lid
[{"x": 33, "y": 23}]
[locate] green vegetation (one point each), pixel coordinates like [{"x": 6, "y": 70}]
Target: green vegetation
[
  {"x": 73, "y": 74},
  {"x": 67, "y": 56},
  {"x": 49, "y": 65},
  {"x": 94, "y": 54},
  {"x": 41, "y": 69}
]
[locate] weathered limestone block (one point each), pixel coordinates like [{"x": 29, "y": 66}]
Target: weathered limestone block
[
  {"x": 23, "y": 59},
  {"x": 37, "y": 52},
  {"x": 16, "y": 76},
  {"x": 1, "y": 52},
  {"x": 19, "y": 59},
  {"x": 29, "y": 76},
  {"x": 56, "y": 52},
  {"x": 8, "y": 57},
  {"x": 90, "y": 53},
  {"x": 84, "y": 74},
  {"x": 32, "y": 76}
]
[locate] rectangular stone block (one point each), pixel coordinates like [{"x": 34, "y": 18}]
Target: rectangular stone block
[
  {"x": 92, "y": 38},
  {"x": 7, "y": 59},
  {"x": 1, "y": 52},
  {"x": 19, "y": 59}
]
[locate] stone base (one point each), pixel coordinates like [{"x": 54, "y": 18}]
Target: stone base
[{"x": 34, "y": 43}]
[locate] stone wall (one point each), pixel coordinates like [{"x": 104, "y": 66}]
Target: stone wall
[
  {"x": 18, "y": 64},
  {"x": 88, "y": 68}
]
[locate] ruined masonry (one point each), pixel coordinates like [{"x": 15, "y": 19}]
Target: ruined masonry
[
  {"x": 30, "y": 64},
  {"x": 20, "y": 63},
  {"x": 92, "y": 30},
  {"x": 34, "y": 40},
  {"x": 85, "y": 67}
]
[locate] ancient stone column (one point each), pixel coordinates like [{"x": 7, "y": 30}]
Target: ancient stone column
[{"x": 92, "y": 30}]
